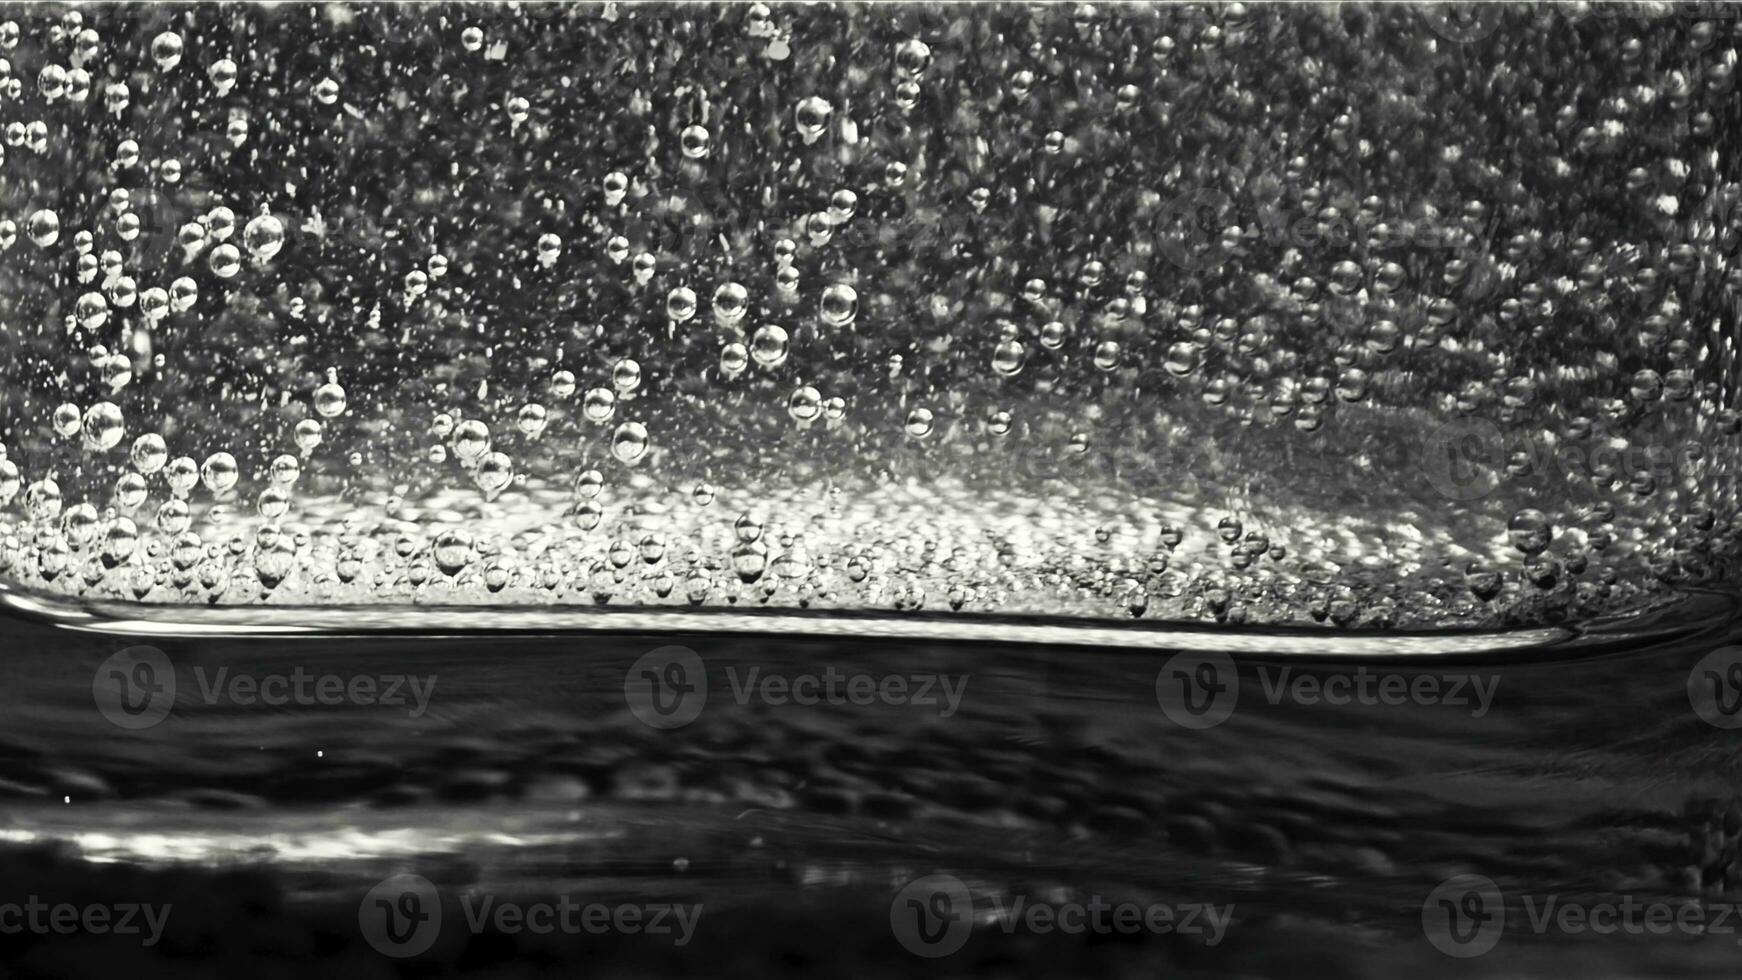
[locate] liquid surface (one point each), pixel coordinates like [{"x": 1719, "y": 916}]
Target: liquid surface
[{"x": 1369, "y": 317}]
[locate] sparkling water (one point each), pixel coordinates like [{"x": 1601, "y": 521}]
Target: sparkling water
[{"x": 1369, "y": 317}]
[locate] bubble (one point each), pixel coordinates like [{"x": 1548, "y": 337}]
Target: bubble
[
  {"x": 532, "y": 419},
  {"x": 183, "y": 293},
  {"x": 149, "y": 453},
  {"x": 629, "y": 442},
  {"x": 1008, "y": 358},
  {"x": 550, "y": 248},
  {"x": 308, "y": 435},
  {"x": 912, "y": 57},
  {"x": 769, "y": 346},
  {"x": 703, "y": 494},
  {"x": 1107, "y": 355},
  {"x": 1647, "y": 386},
  {"x": 617, "y": 249},
  {"x": 1678, "y": 385},
  {"x": 117, "y": 371},
  {"x": 326, "y": 91},
  {"x": 734, "y": 358},
  {"x": 599, "y": 404},
  {"x": 840, "y": 305},
  {"x": 219, "y": 223},
  {"x": 1182, "y": 359},
  {"x": 79, "y": 525},
  {"x": 103, "y": 426},
  {"x": 820, "y": 229},
  {"x": 452, "y": 551},
  {"x": 589, "y": 484},
  {"x": 43, "y": 228},
  {"x": 219, "y": 472},
  {"x": 919, "y": 423},
  {"x": 1352, "y": 384},
  {"x": 182, "y": 474},
  {"x": 562, "y": 384},
  {"x": 42, "y": 500},
  {"x": 263, "y": 237},
  {"x": 273, "y": 503},
  {"x": 1529, "y": 531},
  {"x": 472, "y": 39},
  {"x": 842, "y": 204},
  {"x": 222, "y": 74},
  {"x": 680, "y": 304},
  {"x": 330, "y": 400},
  {"x": 225, "y": 261},
  {"x": 805, "y": 405},
  {"x": 92, "y": 310},
  {"x": 588, "y": 514},
  {"x": 999, "y": 422},
  {"x": 284, "y": 470},
  {"x": 130, "y": 491},
  {"x": 495, "y": 471},
  {"x": 471, "y": 440},
  {"x": 747, "y": 528},
  {"x": 812, "y": 117},
  {"x": 1483, "y": 583},
  {"x": 67, "y": 420},
  {"x": 749, "y": 561},
  {"x": 616, "y": 185},
  {"x": 51, "y": 81},
  {"x": 166, "y": 50},
  {"x": 694, "y": 141},
  {"x": 731, "y": 301},
  {"x": 626, "y": 375},
  {"x": 1345, "y": 278}
]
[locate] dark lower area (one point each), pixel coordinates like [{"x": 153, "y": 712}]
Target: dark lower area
[{"x": 1058, "y": 778}]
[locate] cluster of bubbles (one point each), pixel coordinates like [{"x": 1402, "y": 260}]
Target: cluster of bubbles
[{"x": 1254, "y": 315}]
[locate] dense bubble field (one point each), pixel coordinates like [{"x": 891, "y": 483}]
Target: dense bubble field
[{"x": 1357, "y": 316}]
